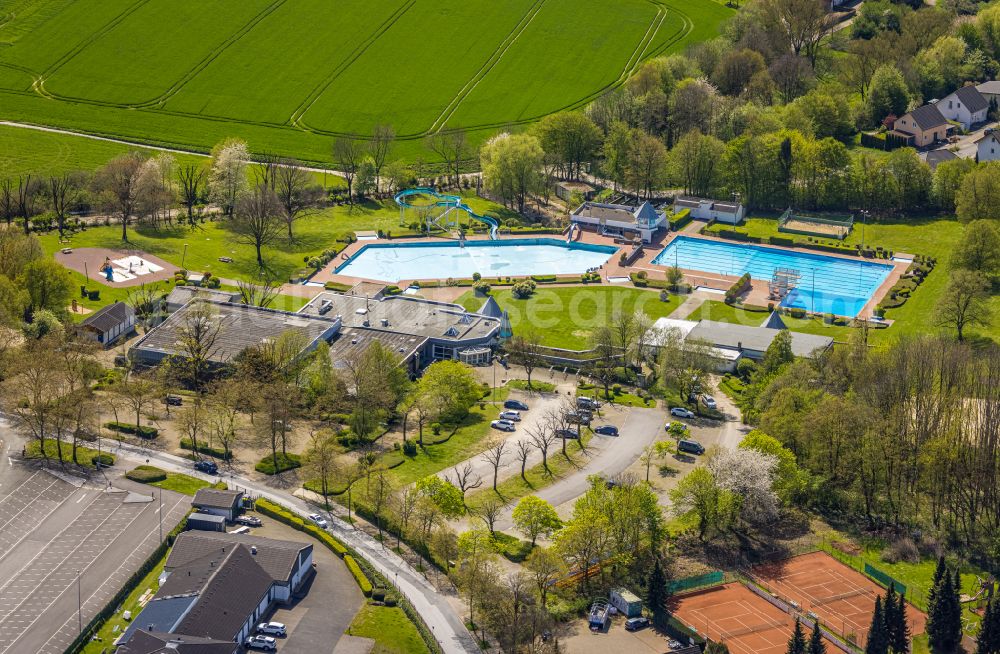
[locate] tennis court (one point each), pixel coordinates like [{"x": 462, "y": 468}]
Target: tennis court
[
  {"x": 733, "y": 614},
  {"x": 842, "y": 597}
]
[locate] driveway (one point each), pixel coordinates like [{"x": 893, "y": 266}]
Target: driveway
[{"x": 965, "y": 147}]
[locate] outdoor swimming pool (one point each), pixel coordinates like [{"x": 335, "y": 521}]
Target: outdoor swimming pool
[
  {"x": 827, "y": 284},
  {"x": 506, "y": 258}
]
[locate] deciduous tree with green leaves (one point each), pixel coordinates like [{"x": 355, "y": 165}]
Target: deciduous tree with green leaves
[{"x": 535, "y": 517}]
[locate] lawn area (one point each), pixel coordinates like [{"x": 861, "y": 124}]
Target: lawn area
[
  {"x": 467, "y": 441},
  {"x": 565, "y": 316},
  {"x": 536, "y": 386},
  {"x": 116, "y": 624},
  {"x": 722, "y": 312},
  {"x": 536, "y": 477},
  {"x": 619, "y": 397},
  {"x": 84, "y": 455},
  {"x": 389, "y": 627},
  {"x": 181, "y": 483}
]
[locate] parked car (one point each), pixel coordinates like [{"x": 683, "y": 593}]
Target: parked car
[
  {"x": 271, "y": 628},
  {"x": 708, "y": 401},
  {"x": 318, "y": 520},
  {"x": 588, "y": 403},
  {"x": 691, "y": 447},
  {"x": 517, "y": 405},
  {"x": 208, "y": 467},
  {"x": 248, "y": 520},
  {"x": 264, "y": 643},
  {"x": 681, "y": 412},
  {"x": 579, "y": 417},
  {"x": 607, "y": 430},
  {"x": 635, "y": 624},
  {"x": 503, "y": 425},
  {"x": 173, "y": 400},
  {"x": 513, "y": 416},
  {"x": 568, "y": 433},
  {"x": 675, "y": 644}
]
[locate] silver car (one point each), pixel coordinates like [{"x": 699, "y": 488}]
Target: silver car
[{"x": 512, "y": 416}]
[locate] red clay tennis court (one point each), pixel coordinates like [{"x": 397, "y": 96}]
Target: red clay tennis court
[
  {"x": 842, "y": 597},
  {"x": 733, "y": 614}
]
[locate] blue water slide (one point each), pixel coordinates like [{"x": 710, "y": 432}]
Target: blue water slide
[{"x": 447, "y": 201}]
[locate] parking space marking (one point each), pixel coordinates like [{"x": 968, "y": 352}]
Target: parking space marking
[{"x": 24, "y": 523}]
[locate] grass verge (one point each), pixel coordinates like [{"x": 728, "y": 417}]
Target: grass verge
[
  {"x": 84, "y": 455},
  {"x": 389, "y": 627}
]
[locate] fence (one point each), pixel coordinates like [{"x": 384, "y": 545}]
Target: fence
[
  {"x": 883, "y": 578},
  {"x": 916, "y": 596},
  {"x": 698, "y": 581}
]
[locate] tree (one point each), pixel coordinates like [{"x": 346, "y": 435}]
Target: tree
[
  {"x": 795, "y": 26},
  {"x": 227, "y": 180},
  {"x": 979, "y": 249},
  {"x": 897, "y": 629},
  {"x": 749, "y": 476},
  {"x": 348, "y": 154},
  {"x": 62, "y": 191},
  {"x": 197, "y": 338},
  {"x": 117, "y": 184},
  {"x": 466, "y": 479},
  {"x": 656, "y": 592},
  {"x": 695, "y": 163},
  {"x": 979, "y": 194},
  {"x": 944, "y": 612},
  {"x": 887, "y": 95},
  {"x": 191, "y": 424},
  {"x": 948, "y": 178},
  {"x": 494, "y": 456},
  {"x": 654, "y": 451},
  {"x": 877, "y": 641},
  {"x": 571, "y": 137},
  {"x": 447, "y": 389},
  {"x": 535, "y": 517},
  {"x": 545, "y": 567},
  {"x": 258, "y": 295},
  {"x": 475, "y": 570},
  {"x": 378, "y": 149},
  {"x": 523, "y": 451},
  {"x": 964, "y": 302},
  {"x": 377, "y": 384},
  {"x": 136, "y": 392},
  {"x": 511, "y": 165},
  {"x": 543, "y": 436},
  {"x": 452, "y": 147},
  {"x": 647, "y": 165},
  {"x": 525, "y": 350},
  {"x": 489, "y": 512},
  {"x": 190, "y": 179},
  {"x": 988, "y": 639},
  {"x": 256, "y": 220},
  {"x": 816, "y": 643},
  {"x": 778, "y": 353},
  {"x": 699, "y": 497},
  {"x": 797, "y": 643},
  {"x": 48, "y": 286},
  {"x": 321, "y": 462},
  {"x": 443, "y": 494},
  {"x": 291, "y": 186}
]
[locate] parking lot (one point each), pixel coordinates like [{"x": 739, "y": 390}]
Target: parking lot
[{"x": 67, "y": 545}]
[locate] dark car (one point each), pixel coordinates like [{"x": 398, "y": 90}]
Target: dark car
[
  {"x": 517, "y": 405},
  {"x": 173, "y": 400},
  {"x": 248, "y": 520},
  {"x": 579, "y": 417},
  {"x": 568, "y": 433},
  {"x": 607, "y": 430},
  {"x": 208, "y": 467},
  {"x": 691, "y": 447},
  {"x": 635, "y": 624}
]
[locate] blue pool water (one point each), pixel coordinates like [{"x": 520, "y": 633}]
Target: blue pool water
[
  {"x": 828, "y": 284},
  {"x": 507, "y": 258}
]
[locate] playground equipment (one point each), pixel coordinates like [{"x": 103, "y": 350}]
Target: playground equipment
[{"x": 447, "y": 203}]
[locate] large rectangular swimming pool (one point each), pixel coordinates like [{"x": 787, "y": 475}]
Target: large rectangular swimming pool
[
  {"x": 393, "y": 262},
  {"x": 827, "y": 284}
]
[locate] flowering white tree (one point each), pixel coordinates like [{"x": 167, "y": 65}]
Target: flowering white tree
[
  {"x": 228, "y": 180},
  {"x": 748, "y": 474}
]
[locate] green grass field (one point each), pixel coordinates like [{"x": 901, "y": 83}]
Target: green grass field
[
  {"x": 389, "y": 627},
  {"x": 565, "y": 317},
  {"x": 199, "y": 72}
]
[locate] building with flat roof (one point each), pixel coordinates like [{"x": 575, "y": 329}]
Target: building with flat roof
[
  {"x": 221, "y": 502},
  {"x": 621, "y": 219},
  {"x": 433, "y": 330},
  {"x": 731, "y": 213}
]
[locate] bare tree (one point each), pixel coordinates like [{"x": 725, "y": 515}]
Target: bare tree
[
  {"x": 192, "y": 424},
  {"x": 27, "y": 194},
  {"x": 321, "y": 462},
  {"x": 197, "y": 338},
  {"x": 489, "y": 512},
  {"x": 190, "y": 179},
  {"x": 8, "y": 206},
  {"x": 147, "y": 302},
  {"x": 465, "y": 478},
  {"x": 523, "y": 448},
  {"x": 379, "y": 147},
  {"x": 62, "y": 190},
  {"x": 137, "y": 392},
  {"x": 494, "y": 456},
  {"x": 291, "y": 184},
  {"x": 452, "y": 147},
  {"x": 258, "y": 295},
  {"x": 348, "y": 154},
  {"x": 543, "y": 436},
  {"x": 256, "y": 220},
  {"x": 404, "y": 502},
  {"x": 379, "y": 493},
  {"x": 525, "y": 350},
  {"x": 118, "y": 184}
]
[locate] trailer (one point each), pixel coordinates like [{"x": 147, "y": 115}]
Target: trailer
[{"x": 600, "y": 610}]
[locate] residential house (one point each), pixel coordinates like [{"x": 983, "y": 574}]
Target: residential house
[
  {"x": 220, "y": 502},
  {"x": 988, "y": 146},
  {"x": 731, "y": 213},
  {"x": 922, "y": 126},
  {"x": 991, "y": 91},
  {"x": 110, "y": 323},
  {"x": 935, "y": 158},
  {"x": 966, "y": 106},
  {"x": 620, "y": 219}
]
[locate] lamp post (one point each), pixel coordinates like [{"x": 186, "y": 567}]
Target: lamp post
[
  {"x": 160, "y": 511},
  {"x": 184, "y": 255},
  {"x": 814, "y": 292},
  {"x": 79, "y": 603}
]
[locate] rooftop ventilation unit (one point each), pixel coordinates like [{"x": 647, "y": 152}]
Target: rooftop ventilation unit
[
  {"x": 325, "y": 307},
  {"x": 385, "y": 322}
]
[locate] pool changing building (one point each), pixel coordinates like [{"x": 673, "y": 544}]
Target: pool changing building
[{"x": 419, "y": 331}]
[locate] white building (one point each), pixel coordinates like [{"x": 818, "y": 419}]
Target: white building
[
  {"x": 731, "y": 213},
  {"x": 990, "y": 91},
  {"x": 620, "y": 219},
  {"x": 110, "y": 323},
  {"x": 966, "y": 106},
  {"x": 988, "y": 147}
]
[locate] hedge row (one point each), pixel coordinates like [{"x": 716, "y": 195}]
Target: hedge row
[
  {"x": 126, "y": 428},
  {"x": 281, "y": 514},
  {"x": 285, "y": 463},
  {"x": 206, "y": 449},
  {"x": 146, "y": 474},
  {"x": 359, "y": 575},
  {"x": 680, "y": 220},
  {"x": 742, "y": 285}
]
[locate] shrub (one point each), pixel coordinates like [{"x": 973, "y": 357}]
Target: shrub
[
  {"x": 742, "y": 285},
  {"x": 543, "y": 279},
  {"x": 476, "y": 277},
  {"x": 359, "y": 575},
  {"x": 125, "y": 428},
  {"x": 482, "y": 287},
  {"x": 204, "y": 448},
  {"x": 781, "y": 240},
  {"x": 146, "y": 474},
  {"x": 285, "y": 462},
  {"x": 902, "y": 550},
  {"x": 523, "y": 289},
  {"x": 410, "y": 448},
  {"x": 797, "y": 312},
  {"x": 102, "y": 459},
  {"x": 679, "y": 220}
]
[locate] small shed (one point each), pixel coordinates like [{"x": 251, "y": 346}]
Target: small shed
[
  {"x": 214, "y": 501},
  {"x": 110, "y": 323},
  {"x": 627, "y": 603},
  {"x": 206, "y": 522},
  {"x": 565, "y": 190}
]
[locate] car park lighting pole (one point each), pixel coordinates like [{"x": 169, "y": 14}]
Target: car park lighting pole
[
  {"x": 79, "y": 603},
  {"x": 160, "y": 511}
]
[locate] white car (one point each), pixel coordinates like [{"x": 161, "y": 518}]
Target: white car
[
  {"x": 708, "y": 401},
  {"x": 318, "y": 520},
  {"x": 271, "y": 628},
  {"x": 681, "y": 412},
  {"x": 512, "y": 416},
  {"x": 503, "y": 425},
  {"x": 265, "y": 643}
]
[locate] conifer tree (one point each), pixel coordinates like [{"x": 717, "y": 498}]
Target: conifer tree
[
  {"x": 797, "y": 643},
  {"x": 878, "y": 641},
  {"x": 816, "y": 644},
  {"x": 899, "y": 628},
  {"x": 656, "y": 594},
  {"x": 944, "y": 616},
  {"x": 988, "y": 641}
]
